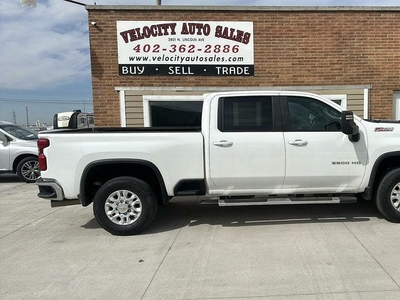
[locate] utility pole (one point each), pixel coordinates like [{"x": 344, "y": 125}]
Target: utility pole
[
  {"x": 27, "y": 116},
  {"x": 158, "y": 2},
  {"x": 14, "y": 117}
]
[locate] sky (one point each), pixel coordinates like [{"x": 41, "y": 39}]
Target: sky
[{"x": 44, "y": 52}]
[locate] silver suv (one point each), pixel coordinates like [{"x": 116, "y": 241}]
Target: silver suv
[{"x": 18, "y": 151}]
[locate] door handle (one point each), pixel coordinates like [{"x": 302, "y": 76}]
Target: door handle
[
  {"x": 223, "y": 143},
  {"x": 298, "y": 143}
]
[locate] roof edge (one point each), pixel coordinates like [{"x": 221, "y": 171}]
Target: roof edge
[
  {"x": 207, "y": 89},
  {"x": 244, "y": 8}
]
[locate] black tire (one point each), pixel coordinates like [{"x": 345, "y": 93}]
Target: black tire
[
  {"x": 388, "y": 196},
  {"x": 117, "y": 202},
  {"x": 55, "y": 121},
  {"x": 28, "y": 169}
]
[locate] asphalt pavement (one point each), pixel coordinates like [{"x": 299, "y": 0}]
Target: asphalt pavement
[{"x": 192, "y": 251}]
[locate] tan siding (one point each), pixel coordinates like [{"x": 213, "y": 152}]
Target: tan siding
[
  {"x": 130, "y": 122},
  {"x": 134, "y": 104},
  {"x": 338, "y": 91},
  {"x": 355, "y": 103},
  {"x": 358, "y": 103},
  {"x": 133, "y": 109}
]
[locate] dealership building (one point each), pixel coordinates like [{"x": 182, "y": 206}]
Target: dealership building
[{"x": 152, "y": 64}]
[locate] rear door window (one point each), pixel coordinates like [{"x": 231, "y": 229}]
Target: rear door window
[{"x": 245, "y": 114}]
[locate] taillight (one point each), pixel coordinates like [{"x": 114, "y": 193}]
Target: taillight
[{"x": 42, "y": 143}]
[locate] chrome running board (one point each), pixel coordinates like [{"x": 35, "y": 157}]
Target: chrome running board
[{"x": 282, "y": 201}]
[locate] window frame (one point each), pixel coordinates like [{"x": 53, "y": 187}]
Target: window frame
[{"x": 342, "y": 98}]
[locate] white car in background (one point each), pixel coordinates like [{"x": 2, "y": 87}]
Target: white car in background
[{"x": 19, "y": 152}]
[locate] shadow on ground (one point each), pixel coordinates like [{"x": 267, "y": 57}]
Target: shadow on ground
[
  {"x": 7, "y": 178},
  {"x": 181, "y": 213}
]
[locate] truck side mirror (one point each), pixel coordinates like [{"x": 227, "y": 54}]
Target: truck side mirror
[
  {"x": 3, "y": 139},
  {"x": 349, "y": 127}
]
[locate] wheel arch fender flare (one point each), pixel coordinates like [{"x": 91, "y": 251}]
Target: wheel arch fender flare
[
  {"x": 379, "y": 162},
  {"x": 20, "y": 157},
  {"x": 85, "y": 201}
]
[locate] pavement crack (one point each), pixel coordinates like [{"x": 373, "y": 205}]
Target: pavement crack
[
  {"x": 290, "y": 295},
  {"x": 169, "y": 248},
  {"x": 369, "y": 252},
  {"x": 41, "y": 217},
  {"x": 13, "y": 188}
]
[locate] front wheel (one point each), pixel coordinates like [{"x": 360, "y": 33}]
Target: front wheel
[
  {"x": 388, "y": 196},
  {"x": 125, "y": 206},
  {"x": 28, "y": 169}
]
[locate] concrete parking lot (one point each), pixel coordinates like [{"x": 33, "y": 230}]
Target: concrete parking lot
[{"x": 193, "y": 251}]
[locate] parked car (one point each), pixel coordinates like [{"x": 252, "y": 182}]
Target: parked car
[{"x": 18, "y": 151}]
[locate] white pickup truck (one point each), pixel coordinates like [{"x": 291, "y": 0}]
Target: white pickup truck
[{"x": 252, "y": 148}]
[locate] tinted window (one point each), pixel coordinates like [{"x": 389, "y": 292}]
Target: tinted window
[
  {"x": 175, "y": 113},
  {"x": 246, "y": 114},
  {"x": 308, "y": 114}
]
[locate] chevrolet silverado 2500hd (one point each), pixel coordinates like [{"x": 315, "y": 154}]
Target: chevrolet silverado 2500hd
[{"x": 252, "y": 148}]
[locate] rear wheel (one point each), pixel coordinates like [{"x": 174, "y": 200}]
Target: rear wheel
[
  {"x": 125, "y": 206},
  {"x": 388, "y": 196},
  {"x": 28, "y": 169}
]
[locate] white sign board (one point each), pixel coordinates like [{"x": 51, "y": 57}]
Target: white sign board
[{"x": 185, "y": 48}]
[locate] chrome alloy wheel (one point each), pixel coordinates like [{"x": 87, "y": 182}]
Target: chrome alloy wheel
[
  {"x": 30, "y": 170},
  {"x": 395, "y": 197},
  {"x": 123, "y": 207}
]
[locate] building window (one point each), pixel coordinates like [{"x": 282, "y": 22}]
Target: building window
[
  {"x": 172, "y": 111},
  {"x": 396, "y": 105},
  {"x": 338, "y": 99}
]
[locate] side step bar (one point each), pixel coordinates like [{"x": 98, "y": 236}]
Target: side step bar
[{"x": 282, "y": 201}]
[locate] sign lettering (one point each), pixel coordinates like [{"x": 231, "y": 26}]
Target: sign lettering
[{"x": 185, "y": 48}]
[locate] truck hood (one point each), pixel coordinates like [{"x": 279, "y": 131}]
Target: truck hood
[
  {"x": 383, "y": 125},
  {"x": 382, "y": 121},
  {"x": 391, "y": 127}
]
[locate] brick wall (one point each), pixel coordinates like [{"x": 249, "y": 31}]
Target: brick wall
[{"x": 292, "y": 47}]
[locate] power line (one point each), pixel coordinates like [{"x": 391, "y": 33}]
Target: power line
[
  {"x": 44, "y": 92},
  {"x": 75, "y": 101}
]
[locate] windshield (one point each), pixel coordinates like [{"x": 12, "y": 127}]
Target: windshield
[{"x": 20, "y": 132}]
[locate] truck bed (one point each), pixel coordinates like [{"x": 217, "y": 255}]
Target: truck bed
[{"x": 177, "y": 153}]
